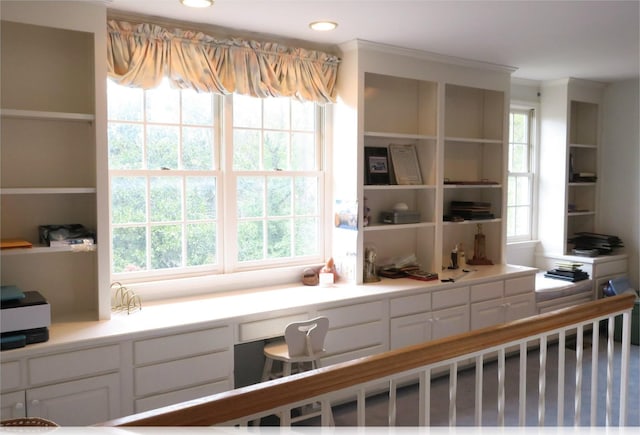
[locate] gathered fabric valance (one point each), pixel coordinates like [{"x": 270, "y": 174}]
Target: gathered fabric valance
[{"x": 141, "y": 55}]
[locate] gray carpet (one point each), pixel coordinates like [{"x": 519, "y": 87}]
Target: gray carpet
[{"x": 407, "y": 402}]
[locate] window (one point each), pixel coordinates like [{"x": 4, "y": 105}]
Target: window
[
  {"x": 520, "y": 178},
  {"x": 206, "y": 184}
]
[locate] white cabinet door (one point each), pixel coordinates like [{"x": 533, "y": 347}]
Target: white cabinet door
[
  {"x": 519, "y": 307},
  {"x": 487, "y": 313},
  {"x": 13, "y": 405},
  {"x": 77, "y": 403},
  {"x": 408, "y": 330},
  {"x": 450, "y": 322}
]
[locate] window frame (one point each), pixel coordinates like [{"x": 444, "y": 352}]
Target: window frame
[
  {"x": 227, "y": 275},
  {"x": 534, "y": 126}
]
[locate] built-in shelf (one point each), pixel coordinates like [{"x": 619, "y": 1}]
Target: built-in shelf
[
  {"x": 581, "y": 213},
  {"x": 39, "y": 114},
  {"x": 391, "y": 227},
  {"x": 399, "y": 187},
  {"x": 472, "y": 140},
  {"x": 45, "y": 250},
  {"x": 577, "y": 145},
  {"x": 472, "y": 186},
  {"x": 582, "y": 184},
  {"x": 46, "y": 190},
  {"x": 471, "y": 222},
  {"x": 398, "y": 135}
]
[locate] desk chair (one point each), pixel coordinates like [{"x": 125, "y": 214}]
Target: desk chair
[{"x": 303, "y": 345}]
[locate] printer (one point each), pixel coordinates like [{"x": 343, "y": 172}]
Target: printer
[{"x": 25, "y": 318}]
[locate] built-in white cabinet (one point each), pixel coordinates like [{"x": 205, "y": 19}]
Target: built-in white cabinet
[
  {"x": 569, "y": 148},
  {"x": 454, "y": 116},
  {"x": 53, "y": 145},
  {"x": 75, "y": 388},
  {"x": 498, "y": 302},
  {"x": 173, "y": 368}
]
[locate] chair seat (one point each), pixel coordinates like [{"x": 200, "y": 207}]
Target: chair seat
[{"x": 279, "y": 351}]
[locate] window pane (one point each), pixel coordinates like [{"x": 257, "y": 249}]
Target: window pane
[
  {"x": 279, "y": 238},
  {"x": 519, "y": 161},
  {"x": 276, "y": 113},
  {"x": 162, "y": 145},
  {"x": 303, "y": 116},
  {"x": 166, "y": 199},
  {"x": 279, "y": 196},
  {"x": 511, "y": 191},
  {"x": 246, "y": 150},
  {"x": 166, "y": 246},
  {"x": 250, "y": 191},
  {"x": 124, "y": 104},
  {"x": 306, "y": 233},
  {"x": 306, "y": 197},
  {"x": 197, "y": 148},
  {"x": 276, "y": 151},
  {"x": 201, "y": 244},
  {"x": 250, "y": 241},
  {"x": 201, "y": 198},
  {"x": 128, "y": 200},
  {"x": 247, "y": 111},
  {"x": 129, "y": 248},
  {"x": 197, "y": 108},
  {"x": 522, "y": 189},
  {"x": 125, "y": 146},
  {"x": 303, "y": 152},
  {"x": 163, "y": 105},
  {"x": 522, "y": 220}
]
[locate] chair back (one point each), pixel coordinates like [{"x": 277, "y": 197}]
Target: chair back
[{"x": 306, "y": 337}]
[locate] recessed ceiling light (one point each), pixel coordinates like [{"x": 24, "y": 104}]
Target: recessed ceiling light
[
  {"x": 323, "y": 26},
  {"x": 197, "y": 3}
]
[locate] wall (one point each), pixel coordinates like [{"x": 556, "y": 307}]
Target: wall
[{"x": 618, "y": 179}]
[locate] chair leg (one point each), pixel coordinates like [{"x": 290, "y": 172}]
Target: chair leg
[{"x": 266, "y": 371}]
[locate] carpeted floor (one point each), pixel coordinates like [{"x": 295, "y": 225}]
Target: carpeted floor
[{"x": 407, "y": 402}]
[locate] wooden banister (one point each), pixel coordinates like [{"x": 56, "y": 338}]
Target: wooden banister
[{"x": 234, "y": 404}]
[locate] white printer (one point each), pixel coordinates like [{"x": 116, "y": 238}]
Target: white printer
[{"x": 25, "y": 318}]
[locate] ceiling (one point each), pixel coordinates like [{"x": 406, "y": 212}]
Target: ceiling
[{"x": 544, "y": 40}]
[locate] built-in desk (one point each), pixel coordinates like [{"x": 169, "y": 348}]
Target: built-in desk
[{"x": 181, "y": 349}]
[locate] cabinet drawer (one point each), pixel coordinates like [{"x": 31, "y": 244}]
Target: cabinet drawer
[
  {"x": 354, "y": 314},
  {"x": 160, "y": 400},
  {"x": 356, "y": 337},
  {"x": 449, "y": 298},
  {"x": 76, "y": 364},
  {"x": 11, "y": 375},
  {"x": 181, "y": 345},
  {"x": 520, "y": 285},
  {"x": 484, "y": 292},
  {"x": 267, "y": 328},
  {"x": 182, "y": 373},
  {"x": 409, "y": 305},
  {"x": 610, "y": 268}
]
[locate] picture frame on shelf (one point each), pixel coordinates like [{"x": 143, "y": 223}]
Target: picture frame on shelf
[
  {"x": 376, "y": 166},
  {"x": 405, "y": 164}
]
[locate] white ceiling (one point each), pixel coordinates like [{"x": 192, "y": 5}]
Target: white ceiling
[{"x": 544, "y": 40}]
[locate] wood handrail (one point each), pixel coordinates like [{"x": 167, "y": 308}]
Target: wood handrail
[{"x": 234, "y": 404}]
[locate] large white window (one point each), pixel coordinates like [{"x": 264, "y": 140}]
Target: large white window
[
  {"x": 520, "y": 190},
  {"x": 203, "y": 184}
]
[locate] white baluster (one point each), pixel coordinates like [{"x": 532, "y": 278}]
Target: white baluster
[
  {"x": 542, "y": 379},
  {"x": 425, "y": 397},
  {"x": 578, "y": 397},
  {"x": 595, "y": 339},
  {"x": 609, "y": 399},
  {"x": 522, "y": 411},
  {"x": 501, "y": 374},
  {"x": 561, "y": 372},
  {"x": 624, "y": 367},
  {"x": 478, "y": 392},
  {"x": 453, "y": 391},
  {"x": 361, "y": 407},
  {"x": 392, "y": 403}
]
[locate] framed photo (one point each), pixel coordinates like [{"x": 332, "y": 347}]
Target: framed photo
[
  {"x": 376, "y": 165},
  {"x": 405, "y": 164}
]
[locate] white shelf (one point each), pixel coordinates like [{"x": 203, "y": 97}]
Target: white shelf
[
  {"x": 44, "y": 250},
  {"x": 582, "y": 184},
  {"x": 581, "y": 213},
  {"x": 45, "y": 115},
  {"x": 472, "y": 222},
  {"x": 472, "y": 140},
  {"x": 398, "y": 135},
  {"x": 588, "y": 146},
  {"x": 472, "y": 186},
  {"x": 399, "y": 186},
  {"x": 393, "y": 227},
  {"x": 46, "y": 190}
]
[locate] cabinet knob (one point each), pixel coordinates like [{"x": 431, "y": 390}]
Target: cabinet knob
[{"x": 19, "y": 405}]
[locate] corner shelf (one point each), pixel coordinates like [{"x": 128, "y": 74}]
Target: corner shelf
[
  {"x": 47, "y": 190},
  {"x": 46, "y": 115}
]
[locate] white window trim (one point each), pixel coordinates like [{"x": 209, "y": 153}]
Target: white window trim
[{"x": 535, "y": 165}]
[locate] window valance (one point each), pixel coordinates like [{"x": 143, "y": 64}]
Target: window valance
[{"x": 142, "y": 55}]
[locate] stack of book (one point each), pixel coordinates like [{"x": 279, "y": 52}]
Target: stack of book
[
  {"x": 587, "y": 242},
  {"x": 471, "y": 210},
  {"x": 567, "y": 271}
]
